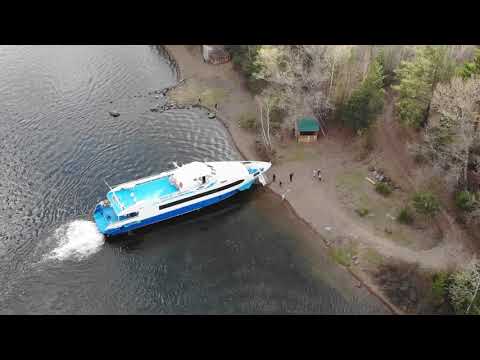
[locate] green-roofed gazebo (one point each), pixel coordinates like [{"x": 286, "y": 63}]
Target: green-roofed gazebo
[{"x": 307, "y": 129}]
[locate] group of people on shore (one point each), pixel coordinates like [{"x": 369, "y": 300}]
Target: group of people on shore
[
  {"x": 280, "y": 182},
  {"x": 317, "y": 174}
]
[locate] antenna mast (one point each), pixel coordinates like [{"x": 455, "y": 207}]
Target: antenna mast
[{"x": 114, "y": 195}]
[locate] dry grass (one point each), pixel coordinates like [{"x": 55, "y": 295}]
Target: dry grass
[
  {"x": 373, "y": 257},
  {"x": 343, "y": 254},
  {"x": 247, "y": 120},
  {"x": 301, "y": 152},
  {"x": 357, "y": 193}
]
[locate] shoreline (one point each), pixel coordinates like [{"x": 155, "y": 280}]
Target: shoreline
[
  {"x": 172, "y": 60},
  {"x": 241, "y": 139}
]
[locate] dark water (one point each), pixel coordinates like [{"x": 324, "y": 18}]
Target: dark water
[{"x": 58, "y": 144}]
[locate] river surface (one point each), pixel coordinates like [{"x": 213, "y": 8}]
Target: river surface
[{"x": 57, "y": 146}]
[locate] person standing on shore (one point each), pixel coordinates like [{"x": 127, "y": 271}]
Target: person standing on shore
[
  {"x": 280, "y": 183},
  {"x": 273, "y": 178},
  {"x": 319, "y": 174},
  {"x": 216, "y": 107},
  {"x": 291, "y": 177}
]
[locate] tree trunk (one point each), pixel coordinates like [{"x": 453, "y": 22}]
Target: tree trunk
[
  {"x": 465, "y": 168},
  {"x": 425, "y": 117},
  {"x": 261, "y": 122},
  {"x": 267, "y": 119},
  {"x": 331, "y": 78}
]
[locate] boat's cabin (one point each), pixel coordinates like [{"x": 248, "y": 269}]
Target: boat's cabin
[{"x": 192, "y": 176}]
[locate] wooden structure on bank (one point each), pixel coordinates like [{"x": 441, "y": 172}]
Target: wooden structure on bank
[
  {"x": 307, "y": 129},
  {"x": 215, "y": 54}
]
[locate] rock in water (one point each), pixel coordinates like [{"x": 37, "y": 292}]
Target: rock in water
[{"x": 114, "y": 113}]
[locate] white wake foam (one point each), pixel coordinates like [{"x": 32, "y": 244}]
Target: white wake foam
[{"x": 78, "y": 240}]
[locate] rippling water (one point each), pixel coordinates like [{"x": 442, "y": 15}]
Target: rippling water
[{"x": 58, "y": 144}]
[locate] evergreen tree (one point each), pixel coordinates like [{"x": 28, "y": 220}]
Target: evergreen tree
[
  {"x": 388, "y": 73},
  {"x": 470, "y": 69},
  {"x": 367, "y": 101},
  {"x": 418, "y": 79},
  {"x": 244, "y": 57}
]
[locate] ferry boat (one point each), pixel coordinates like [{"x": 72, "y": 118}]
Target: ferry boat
[{"x": 184, "y": 189}]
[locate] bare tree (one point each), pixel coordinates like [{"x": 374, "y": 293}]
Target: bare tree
[
  {"x": 336, "y": 55},
  {"x": 266, "y": 102},
  {"x": 463, "y": 288},
  {"x": 451, "y": 137},
  {"x": 299, "y": 75}
]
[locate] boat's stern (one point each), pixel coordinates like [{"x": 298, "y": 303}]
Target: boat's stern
[{"x": 104, "y": 215}]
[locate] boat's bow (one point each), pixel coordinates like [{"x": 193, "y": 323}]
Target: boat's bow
[{"x": 256, "y": 169}]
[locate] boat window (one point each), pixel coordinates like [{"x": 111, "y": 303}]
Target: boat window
[{"x": 128, "y": 216}]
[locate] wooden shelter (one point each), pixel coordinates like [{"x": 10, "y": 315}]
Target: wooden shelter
[
  {"x": 215, "y": 54},
  {"x": 307, "y": 129}
]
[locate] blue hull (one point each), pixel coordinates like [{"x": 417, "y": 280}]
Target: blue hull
[{"x": 173, "y": 213}]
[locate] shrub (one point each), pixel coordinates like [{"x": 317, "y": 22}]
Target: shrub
[
  {"x": 439, "y": 285},
  {"x": 426, "y": 203},
  {"x": 475, "y": 148},
  {"x": 470, "y": 69},
  {"x": 342, "y": 256},
  {"x": 405, "y": 216},
  {"x": 420, "y": 158},
  {"x": 463, "y": 289},
  {"x": 362, "y": 211},
  {"x": 465, "y": 200},
  {"x": 367, "y": 136},
  {"x": 256, "y": 86},
  {"x": 277, "y": 116},
  {"x": 383, "y": 188}
]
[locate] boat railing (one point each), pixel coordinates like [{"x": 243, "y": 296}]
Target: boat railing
[{"x": 132, "y": 184}]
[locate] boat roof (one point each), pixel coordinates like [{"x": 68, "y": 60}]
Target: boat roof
[{"x": 193, "y": 169}]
